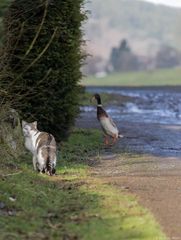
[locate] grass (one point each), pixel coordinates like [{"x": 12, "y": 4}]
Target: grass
[
  {"x": 164, "y": 77},
  {"x": 107, "y": 99},
  {"x": 71, "y": 205},
  {"x": 85, "y": 98}
]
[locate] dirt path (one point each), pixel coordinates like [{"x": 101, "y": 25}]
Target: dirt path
[
  {"x": 158, "y": 190},
  {"x": 147, "y": 163}
]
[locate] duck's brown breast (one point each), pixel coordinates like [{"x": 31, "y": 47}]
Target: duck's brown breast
[{"x": 101, "y": 113}]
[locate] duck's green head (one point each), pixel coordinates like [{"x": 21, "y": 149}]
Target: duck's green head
[{"x": 96, "y": 97}]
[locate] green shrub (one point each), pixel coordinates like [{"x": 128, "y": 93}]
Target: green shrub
[
  {"x": 41, "y": 61},
  {"x": 3, "y": 7}
]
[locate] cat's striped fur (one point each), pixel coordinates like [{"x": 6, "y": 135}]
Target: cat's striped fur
[{"x": 43, "y": 147}]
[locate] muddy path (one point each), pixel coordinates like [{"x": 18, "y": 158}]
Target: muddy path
[{"x": 147, "y": 161}]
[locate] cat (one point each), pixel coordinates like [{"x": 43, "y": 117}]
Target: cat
[{"x": 43, "y": 147}]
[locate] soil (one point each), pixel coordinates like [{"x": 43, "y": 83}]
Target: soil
[{"x": 147, "y": 163}]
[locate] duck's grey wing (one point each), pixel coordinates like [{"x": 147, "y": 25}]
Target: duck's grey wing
[{"x": 112, "y": 122}]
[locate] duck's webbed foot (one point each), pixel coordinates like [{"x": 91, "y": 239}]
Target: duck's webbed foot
[
  {"x": 106, "y": 140},
  {"x": 114, "y": 140}
]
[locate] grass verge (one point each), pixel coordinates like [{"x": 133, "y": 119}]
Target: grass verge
[
  {"x": 71, "y": 205},
  {"x": 164, "y": 77},
  {"x": 107, "y": 99}
]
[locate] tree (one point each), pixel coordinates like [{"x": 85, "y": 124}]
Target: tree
[
  {"x": 168, "y": 57},
  {"x": 42, "y": 59},
  {"x": 122, "y": 59}
]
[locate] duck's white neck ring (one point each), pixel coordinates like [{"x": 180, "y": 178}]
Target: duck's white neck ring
[{"x": 99, "y": 105}]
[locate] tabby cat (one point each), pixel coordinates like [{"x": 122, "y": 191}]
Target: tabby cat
[{"x": 43, "y": 147}]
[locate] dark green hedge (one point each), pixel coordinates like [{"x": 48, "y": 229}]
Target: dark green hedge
[
  {"x": 3, "y": 7},
  {"x": 42, "y": 60}
]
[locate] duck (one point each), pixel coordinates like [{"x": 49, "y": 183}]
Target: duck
[{"x": 107, "y": 124}]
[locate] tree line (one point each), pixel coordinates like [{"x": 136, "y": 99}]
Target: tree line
[{"x": 123, "y": 59}]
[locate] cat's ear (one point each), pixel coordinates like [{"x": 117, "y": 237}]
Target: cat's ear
[
  {"x": 23, "y": 123},
  {"x": 35, "y": 123}
]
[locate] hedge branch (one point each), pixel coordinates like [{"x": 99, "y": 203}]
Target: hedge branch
[
  {"x": 39, "y": 29},
  {"x": 40, "y": 55}
]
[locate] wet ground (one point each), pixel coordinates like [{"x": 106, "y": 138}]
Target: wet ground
[
  {"x": 150, "y": 118},
  {"x": 147, "y": 161}
]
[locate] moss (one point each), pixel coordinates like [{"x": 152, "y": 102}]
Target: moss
[{"x": 11, "y": 139}]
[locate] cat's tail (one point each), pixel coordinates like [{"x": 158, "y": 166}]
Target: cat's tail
[
  {"x": 51, "y": 158},
  {"x": 50, "y": 166}
]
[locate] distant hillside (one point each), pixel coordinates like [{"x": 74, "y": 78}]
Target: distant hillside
[{"x": 145, "y": 25}]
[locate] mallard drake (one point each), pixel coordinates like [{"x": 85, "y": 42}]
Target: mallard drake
[{"x": 107, "y": 124}]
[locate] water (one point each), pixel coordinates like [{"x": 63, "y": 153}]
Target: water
[{"x": 145, "y": 105}]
